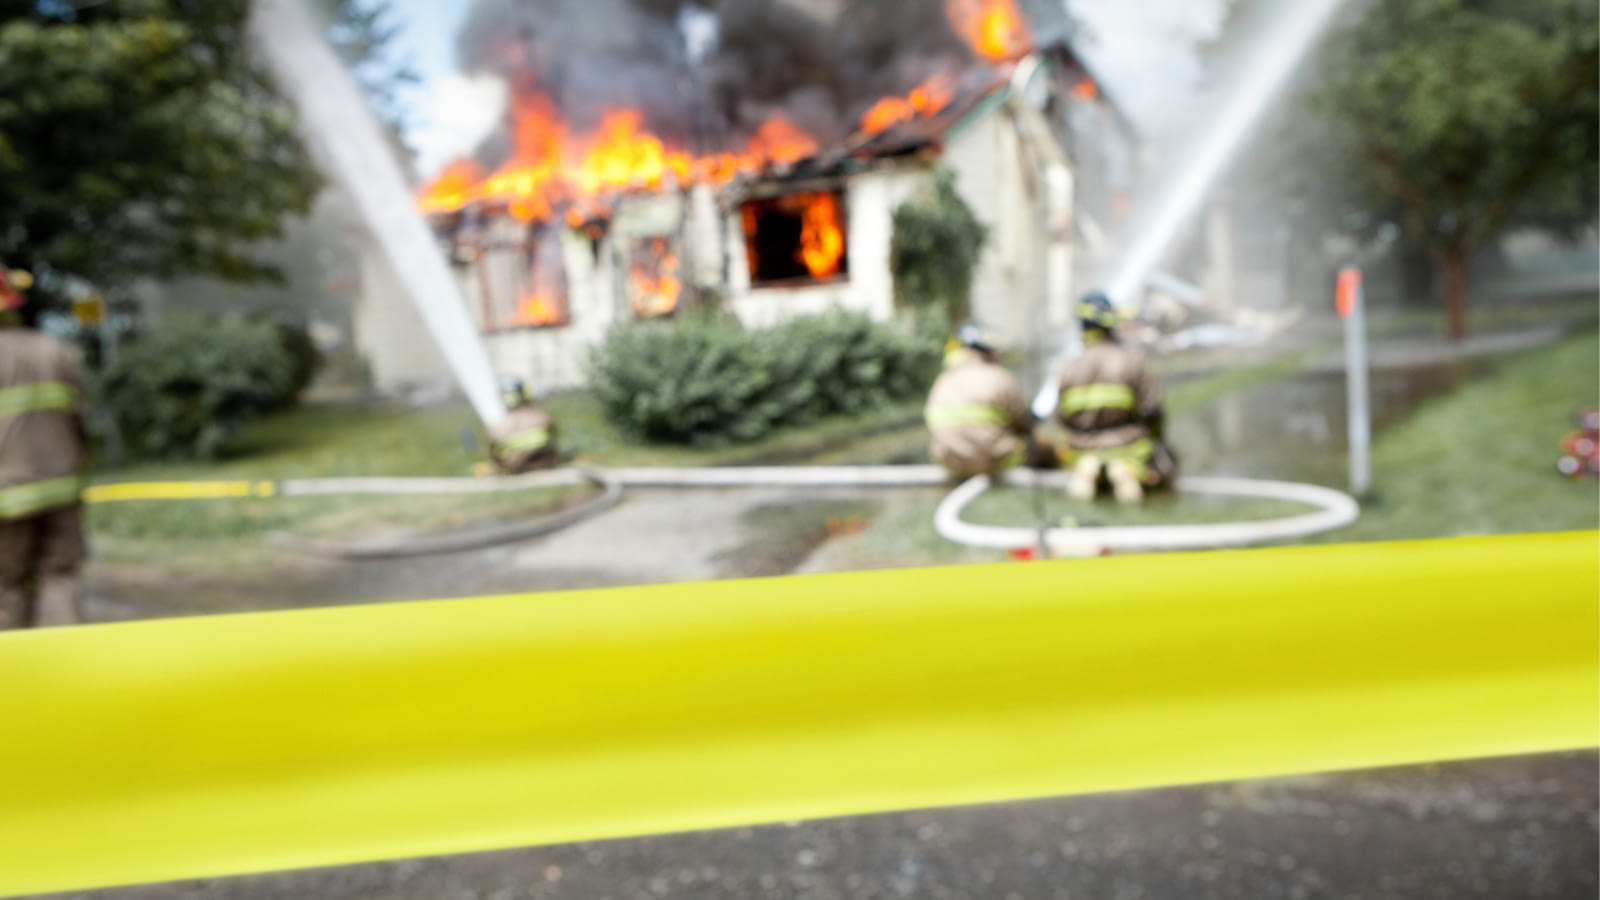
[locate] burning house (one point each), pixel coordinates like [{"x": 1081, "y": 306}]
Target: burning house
[
  {"x": 817, "y": 235},
  {"x": 583, "y": 226}
]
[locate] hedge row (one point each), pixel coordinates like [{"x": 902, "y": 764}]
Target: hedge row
[
  {"x": 185, "y": 386},
  {"x": 705, "y": 381}
]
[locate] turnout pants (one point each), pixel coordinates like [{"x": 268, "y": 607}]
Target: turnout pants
[{"x": 41, "y": 557}]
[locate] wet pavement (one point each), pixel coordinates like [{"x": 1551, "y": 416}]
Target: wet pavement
[
  {"x": 1297, "y": 428},
  {"x": 654, "y": 537},
  {"x": 1502, "y": 829}
]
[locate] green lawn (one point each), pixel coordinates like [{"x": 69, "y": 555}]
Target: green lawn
[
  {"x": 1478, "y": 461},
  {"x": 1483, "y": 461}
]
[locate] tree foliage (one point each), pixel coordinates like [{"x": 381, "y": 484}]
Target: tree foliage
[
  {"x": 363, "y": 33},
  {"x": 1455, "y": 119},
  {"x": 187, "y": 386},
  {"x": 139, "y": 138},
  {"x": 935, "y": 250}
]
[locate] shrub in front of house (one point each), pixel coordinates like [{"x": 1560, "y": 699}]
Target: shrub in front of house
[
  {"x": 852, "y": 364},
  {"x": 691, "y": 380},
  {"x": 185, "y": 386},
  {"x": 934, "y": 252},
  {"x": 707, "y": 381},
  {"x": 307, "y": 360}
]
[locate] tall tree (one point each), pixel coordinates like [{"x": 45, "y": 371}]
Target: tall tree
[
  {"x": 1456, "y": 119},
  {"x": 1471, "y": 116},
  {"x": 140, "y": 139},
  {"x": 364, "y": 33}
]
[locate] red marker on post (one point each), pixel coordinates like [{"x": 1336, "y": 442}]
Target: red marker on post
[{"x": 1351, "y": 300}]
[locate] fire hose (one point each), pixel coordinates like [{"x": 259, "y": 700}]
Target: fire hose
[{"x": 1332, "y": 509}]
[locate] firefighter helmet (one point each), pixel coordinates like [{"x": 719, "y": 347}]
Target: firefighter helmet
[
  {"x": 513, "y": 393},
  {"x": 1096, "y": 310},
  {"x": 973, "y": 336},
  {"x": 12, "y": 283}
]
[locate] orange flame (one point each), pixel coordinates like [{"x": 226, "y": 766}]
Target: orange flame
[
  {"x": 623, "y": 157},
  {"x": 538, "y": 309},
  {"x": 1085, "y": 90},
  {"x": 821, "y": 236},
  {"x": 457, "y": 186},
  {"x": 927, "y": 99},
  {"x": 780, "y": 140},
  {"x": 527, "y": 181},
  {"x": 994, "y": 29},
  {"x": 655, "y": 281},
  {"x": 550, "y": 167}
]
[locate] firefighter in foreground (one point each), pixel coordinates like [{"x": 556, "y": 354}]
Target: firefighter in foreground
[
  {"x": 980, "y": 423},
  {"x": 525, "y": 440},
  {"x": 42, "y": 445},
  {"x": 1111, "y": 411}
]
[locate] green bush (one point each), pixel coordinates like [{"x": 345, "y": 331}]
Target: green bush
[
  {"x": 186, "y": 386},
  {"x": 706, "y": 381},
  {"x": 307, "y": 360},
  {"x": 934, "y": 252}
]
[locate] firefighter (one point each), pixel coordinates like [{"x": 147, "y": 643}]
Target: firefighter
[
  {"x": 525, "y": 440},
  {"x": 1111, "y": 410},
  {"x": 979, "y": 421},
  {"x": 42, "y": 455}
]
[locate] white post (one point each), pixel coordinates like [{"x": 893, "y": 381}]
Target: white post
[{"x": 1352, "y": 307}]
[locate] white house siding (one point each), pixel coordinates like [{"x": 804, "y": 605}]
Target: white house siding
[
  {"x": 996, "y": 178},
  {"x": 390, "y": 334},
  {"x": 553, "y": 358}
]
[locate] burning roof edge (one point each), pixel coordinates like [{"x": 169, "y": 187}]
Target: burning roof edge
[{"x": 980, "y": 93}]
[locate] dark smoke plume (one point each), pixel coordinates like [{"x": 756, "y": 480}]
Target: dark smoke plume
[{"x": 822, "y": 62}]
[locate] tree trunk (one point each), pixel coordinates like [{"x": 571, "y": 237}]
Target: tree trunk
[{"x": 1453, "y": 281}]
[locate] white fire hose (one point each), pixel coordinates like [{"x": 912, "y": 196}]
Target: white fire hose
[{"x": 1331, "y": 509}]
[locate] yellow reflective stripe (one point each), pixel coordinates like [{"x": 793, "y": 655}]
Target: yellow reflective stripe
[
  {"x": 178, "y": 490},
  {"x": 1098, "y": 396},
  {"x": 23, "y": 500},
  {"x": 1136, "y": 454},
  {"x": 342, "y": 735},
  {"x": 1138, "y": 450},
  {"x": 37, "y": 397},
  {"x": 1015, "y": 458},
  {"x": 966, "y": 414},
  {"x": 526, "y": 441}
]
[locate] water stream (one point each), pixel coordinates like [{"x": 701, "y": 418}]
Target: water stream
[
  {"x": 1175, "y": 202},
  {"x": 336, "y": 119}
]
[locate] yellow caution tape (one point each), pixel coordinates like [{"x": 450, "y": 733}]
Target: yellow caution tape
[
  {"x": 173, "y": 749},
  {"x": 178, "y": 490}
]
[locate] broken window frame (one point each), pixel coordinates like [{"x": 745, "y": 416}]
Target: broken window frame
[
  {"x": 495, "y": 314},
  {"x": 773, "y": 194}
]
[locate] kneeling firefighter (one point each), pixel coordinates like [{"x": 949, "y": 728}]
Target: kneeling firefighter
[
  {"x": 1111, "y": 410},
  {"x": 43, "y": 451},
  {"x": 525, "y": 440},
  {"x": 979, "y": 420}
]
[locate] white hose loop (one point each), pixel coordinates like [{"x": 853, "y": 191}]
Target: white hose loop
[{"x": 1333, "y": 510}]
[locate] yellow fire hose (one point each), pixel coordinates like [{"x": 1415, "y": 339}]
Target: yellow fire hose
[
  {"x": 162, "y": 750},
  {"x": 178, "y": 490}
]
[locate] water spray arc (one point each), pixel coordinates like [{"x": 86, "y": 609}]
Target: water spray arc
[
  {"x": 337, "y": 119},
  {"x": 1278, "y": 52}
]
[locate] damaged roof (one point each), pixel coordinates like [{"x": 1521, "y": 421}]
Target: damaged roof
[{"x": 976, "y": 92}]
